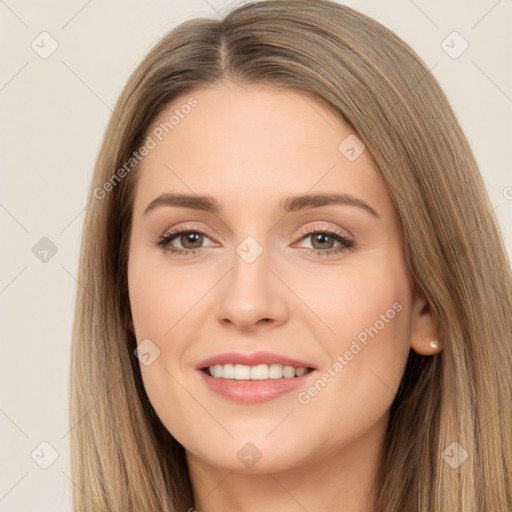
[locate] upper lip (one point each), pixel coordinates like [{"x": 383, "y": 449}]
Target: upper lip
[{"x": 252, "y": 360}]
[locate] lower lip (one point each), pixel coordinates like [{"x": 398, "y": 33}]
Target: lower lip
[{"x": 253, "y": 391}]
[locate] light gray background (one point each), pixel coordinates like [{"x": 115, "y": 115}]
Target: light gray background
[{"x": 53, "y": 113}]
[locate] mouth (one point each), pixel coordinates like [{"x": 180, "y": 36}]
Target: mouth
[{"x": 253, "y": 378}]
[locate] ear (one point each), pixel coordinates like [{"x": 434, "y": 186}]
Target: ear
[{"x": 424, "y": 336}]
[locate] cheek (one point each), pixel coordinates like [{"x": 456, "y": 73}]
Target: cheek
[
  {"x": 162, "y": 303},
  {"x": 168, "y": 306},
  {"x": 160, "y": 297},
  {"x": 355, "y": 300},
  {"x": 367, "y": 311}
]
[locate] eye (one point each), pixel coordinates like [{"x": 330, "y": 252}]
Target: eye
[
  {"x": 190, "y": 241},
  {"x": 325, "y": 242}
]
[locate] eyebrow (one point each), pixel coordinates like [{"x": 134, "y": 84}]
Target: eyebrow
[{"x": 287, "y": 204}]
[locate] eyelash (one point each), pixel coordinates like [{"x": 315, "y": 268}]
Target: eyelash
[{"x": 165, "y": 240}]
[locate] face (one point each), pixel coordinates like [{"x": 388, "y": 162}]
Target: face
[{"x": 301, "y": 307}]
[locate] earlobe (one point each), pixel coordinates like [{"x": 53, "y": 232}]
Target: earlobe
[
  {"x": 424, "y": 336},
  {"x": 426, "y": 346}
]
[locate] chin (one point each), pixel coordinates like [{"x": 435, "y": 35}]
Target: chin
[{"x": 248, "y": 457}]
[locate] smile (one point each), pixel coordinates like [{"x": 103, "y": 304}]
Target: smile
[{"x": 253, "y": 378}]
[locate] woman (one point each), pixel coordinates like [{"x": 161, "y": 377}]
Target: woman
[{"x": 294, "y": 293}]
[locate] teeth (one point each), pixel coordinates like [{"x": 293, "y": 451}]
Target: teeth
[
  {"x": 275, "y": 371},
  {"x": 258, "y": 372},
  {"x": 228, "y": 371}
]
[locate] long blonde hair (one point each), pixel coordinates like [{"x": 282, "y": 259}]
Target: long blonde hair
[{"x": 123, "y": 458}]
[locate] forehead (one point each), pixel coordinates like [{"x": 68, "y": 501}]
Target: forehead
[{"x": 253, "y": 144}]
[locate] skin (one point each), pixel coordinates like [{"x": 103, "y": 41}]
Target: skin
[{"x": 249, "y": 147}]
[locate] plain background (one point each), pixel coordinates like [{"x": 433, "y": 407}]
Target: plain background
[{"x": 53, "y": 114}]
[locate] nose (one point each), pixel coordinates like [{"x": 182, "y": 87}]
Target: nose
[{"x": 252, "y": 297}]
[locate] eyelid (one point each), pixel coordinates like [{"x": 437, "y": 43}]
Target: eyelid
[
  {"x": 306, "y": 231},
  {"x": 187, "y": 226},
  {"x": 323, "y": 227},
  {"x": 320, "y": 227}
]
